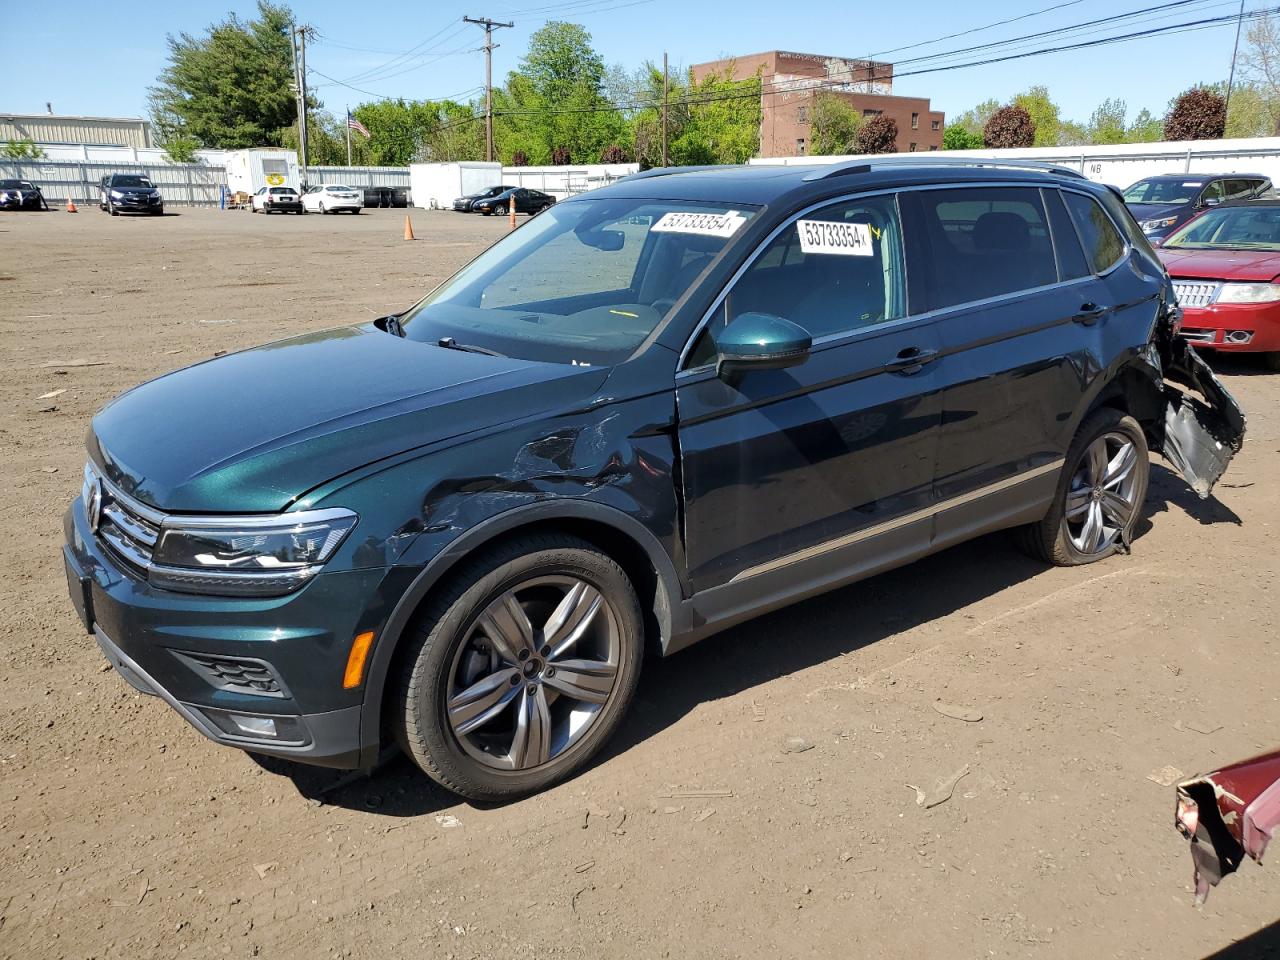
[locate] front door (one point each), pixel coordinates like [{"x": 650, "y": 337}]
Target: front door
[{"x": 793, "y": 472}]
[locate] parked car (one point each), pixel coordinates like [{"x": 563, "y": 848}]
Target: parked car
[
  {"x": 21, "y": 195},
  {"x": 463, "y": 204},
  {"x": 1162, "y": 204},
  {"x": 277, "y": 200},
  {"x": 1225, "y": 266},
  {"x": 333, "y": 198},
  {"x": 662, "y": 408},
  {"x": 129, "y": 193},
  {"x": 1227, "y": 814},
  {"x": 377, "y": 196},
  {"x": 522, "y": 198}
]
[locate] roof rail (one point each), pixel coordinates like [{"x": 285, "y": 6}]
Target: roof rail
[
  {"x": 865, "y": 165},
  {"x": 669, "y": 171}
]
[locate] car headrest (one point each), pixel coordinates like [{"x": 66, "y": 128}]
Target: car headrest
[{"x": 1001, "y": 231}]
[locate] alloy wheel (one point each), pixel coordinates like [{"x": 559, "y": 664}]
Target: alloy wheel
[
  {"x": 534, "y": 673},
  {"x": 1102, "y": 495}
]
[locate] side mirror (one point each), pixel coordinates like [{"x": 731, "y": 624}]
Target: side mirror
[
  {"x": 760, "y": 341},
  {"x": 1210, "y": 202}
]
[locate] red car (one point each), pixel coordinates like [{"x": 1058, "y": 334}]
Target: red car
[{"x": 1225, "y": 267}]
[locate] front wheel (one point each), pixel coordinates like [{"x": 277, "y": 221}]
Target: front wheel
[
  {"x": 500, "y": 210},
  {"x": 517, "y": 674},
  {"x": 323, "y": 211},
  {"x": 1100, "y": 493}
]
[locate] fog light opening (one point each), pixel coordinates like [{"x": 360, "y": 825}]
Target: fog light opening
[
  {"x": 1239, "y": 336},
  {"x": 254, "y": 726}
]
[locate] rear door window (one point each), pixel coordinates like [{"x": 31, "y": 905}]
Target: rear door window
[
  {"x": 984, "y": 242},
  {"x": 1103, "y": 245}
]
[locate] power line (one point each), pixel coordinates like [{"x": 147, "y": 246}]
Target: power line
[{"x": 989, "y": 26}]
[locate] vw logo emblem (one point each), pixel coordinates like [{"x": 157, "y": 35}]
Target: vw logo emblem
[{"x": 93, "y": 503}]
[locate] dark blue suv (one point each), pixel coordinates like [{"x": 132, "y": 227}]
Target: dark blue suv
[{"x": 656, "y": 410}]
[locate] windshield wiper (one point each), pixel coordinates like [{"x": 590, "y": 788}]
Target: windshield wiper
[{"x": 451, "y": 344}]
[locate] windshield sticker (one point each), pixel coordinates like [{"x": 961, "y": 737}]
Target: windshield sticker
[
  {"x": 1194, "y": 183},
  {"x": 705, "y": 224},
  {"x": 841, "y": 239}
]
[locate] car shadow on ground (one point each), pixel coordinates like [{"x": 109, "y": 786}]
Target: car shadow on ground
[
  {"x": 775, "y": 645},
  {"x": 1264, "y": 943}
]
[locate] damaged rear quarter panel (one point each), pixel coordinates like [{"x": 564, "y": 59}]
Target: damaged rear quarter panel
[{"x": 1203, "y": 426}]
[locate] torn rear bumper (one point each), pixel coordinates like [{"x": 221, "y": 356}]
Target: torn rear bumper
[{"x": 1203, "y": 426}]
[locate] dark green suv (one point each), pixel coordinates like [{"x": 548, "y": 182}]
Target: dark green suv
[{"x": 652, "y": 412}]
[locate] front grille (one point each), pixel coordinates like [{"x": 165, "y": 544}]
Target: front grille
[
  {"x": 1196, "y": 293},
  {"x": 238, "y": 674},
  {"x": 127, "y": 528},
  {"x": 1199, "y": 336}
]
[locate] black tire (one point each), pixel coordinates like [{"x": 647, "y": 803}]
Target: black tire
[
  {"x": 500, "y": 210},
  {"x": 442, "y": 628},
  {"x": 323, "y": 211},
  {"x": 111, "y": 209},
  {"x": 486, "y": 211},
  {"x": 356, "y": 211},
  {"x": 1050, "y": 540},
  {"x": 1272, "y": 360}
]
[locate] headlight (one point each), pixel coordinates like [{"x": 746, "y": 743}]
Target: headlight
[
  {"x": 1149, "y": 225},
  {"x": 1249, "y": 293},
  {"x": 117, "y": 195},
  {"x": 247, "y": 556}
]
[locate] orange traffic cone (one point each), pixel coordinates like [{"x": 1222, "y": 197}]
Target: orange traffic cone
[
  {"x": 71, "y": 206},
  {"x": 513, "y": 215},
  {"x": 408, "y": 228}
]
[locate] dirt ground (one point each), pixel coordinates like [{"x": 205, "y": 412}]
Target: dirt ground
[{"x": 756, "y": 802}]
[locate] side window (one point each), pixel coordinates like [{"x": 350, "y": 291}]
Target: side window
[
  {"x": 985, "y": 242},
  {"x": 1103, "y": 245},
  {"x": 1066, "y": 242},
  {"x": 1239, "y": 189},
  {"x": 831, "y": 271}
]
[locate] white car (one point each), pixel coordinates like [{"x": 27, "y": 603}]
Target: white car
[
  {"x": 332, "y": 197},
  {"x": 273, "y": 199}
]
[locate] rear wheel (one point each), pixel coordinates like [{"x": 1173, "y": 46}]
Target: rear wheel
[
  {"x": 500, "y": 210},
  {"x": 1100, "y": 493},
  {"x": 521, "y": 671},
  {"x": 322, "y": 209}
]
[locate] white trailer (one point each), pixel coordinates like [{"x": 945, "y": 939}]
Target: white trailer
[
  {"x": 250, "y": 170},
  {"x": 437, "y": 185}
]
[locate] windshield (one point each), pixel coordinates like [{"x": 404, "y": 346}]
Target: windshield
[
  {"x": 1231, "y": 228},
  {"x": 584, "y": 282},
  {"x": 1163, "y": 191},
  {"x": 126, "y": 180},
  {"x": 339, "y": 188}
]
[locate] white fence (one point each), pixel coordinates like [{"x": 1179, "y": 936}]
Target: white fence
[
  {"x": 1118, "y": 164},
  {"x": 183, "y": 184},
  {"x": 360, "y": 176}
]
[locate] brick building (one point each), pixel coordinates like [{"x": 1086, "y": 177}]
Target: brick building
[{"x": 792, "y": 80}]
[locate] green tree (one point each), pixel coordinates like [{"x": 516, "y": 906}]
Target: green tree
[
  {"x": 957, "y": 137},
  {"x": 556, "y": 99},
  {"x": 975, "y": 120},
  {"x": 181, "y": 149},
  {"x": 24, "y": 149},
  {"x": 1255, "y": 99},
  {"x": 1145, "y": 128},
  {"x": 723, "y": 124},
  {"x": 1107, "y": 122},
  {"x": 833, "y": 125},
  {"x": 1044, "y": 115},
  {"x": 231, "y": 87}
]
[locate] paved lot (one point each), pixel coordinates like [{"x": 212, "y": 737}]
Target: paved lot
[{"x": 124, "y": 834}]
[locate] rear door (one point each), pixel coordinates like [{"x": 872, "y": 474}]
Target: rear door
[
  {"x": 1010, "y": 305},
  {"x": 815, "y": 471}
]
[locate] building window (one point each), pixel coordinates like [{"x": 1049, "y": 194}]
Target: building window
[
  {"x": 935, "y": 124},
  {"x": 871, "y": 113},
  {"x": 915, "y": 121},
  {"x": 911, "y": 148},
  {"x": 933, "y": 148},
  {"x": 802, "y": 114},
  {"x": 799, "y": 146}
]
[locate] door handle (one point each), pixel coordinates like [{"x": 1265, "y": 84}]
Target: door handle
[
  {"x": 1090, "y": 313},
  {"x": 910, "y": 360}
]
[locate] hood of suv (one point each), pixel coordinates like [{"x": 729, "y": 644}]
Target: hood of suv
[
  {"x": 1155, "y": 211},
  {"x": 253, "y": 431}
]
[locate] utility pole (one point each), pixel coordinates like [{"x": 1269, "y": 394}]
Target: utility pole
[
  {"x": 489, "y": 46},
  {"x": 298, "y": 43},
  {"x": 666, "y": 88},
  {"x": 1231, "y": 79},
  {"x": 348, "y": 125}
]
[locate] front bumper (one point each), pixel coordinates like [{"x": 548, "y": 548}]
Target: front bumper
[
  {"x": 140, "y": 203},
  {"x": 276, "y": 661},
  {"x": 1233, "y": 327}
]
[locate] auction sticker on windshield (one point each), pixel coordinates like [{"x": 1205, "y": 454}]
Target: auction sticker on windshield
[
  {"x": 842, "y": 239},
  {"x": 707, "y": 224}
]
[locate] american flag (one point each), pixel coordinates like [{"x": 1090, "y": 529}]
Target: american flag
[{"x": 356, "y": 125}]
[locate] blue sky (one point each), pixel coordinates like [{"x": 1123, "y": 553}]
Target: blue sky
[{"x": 67, "y": 60}]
